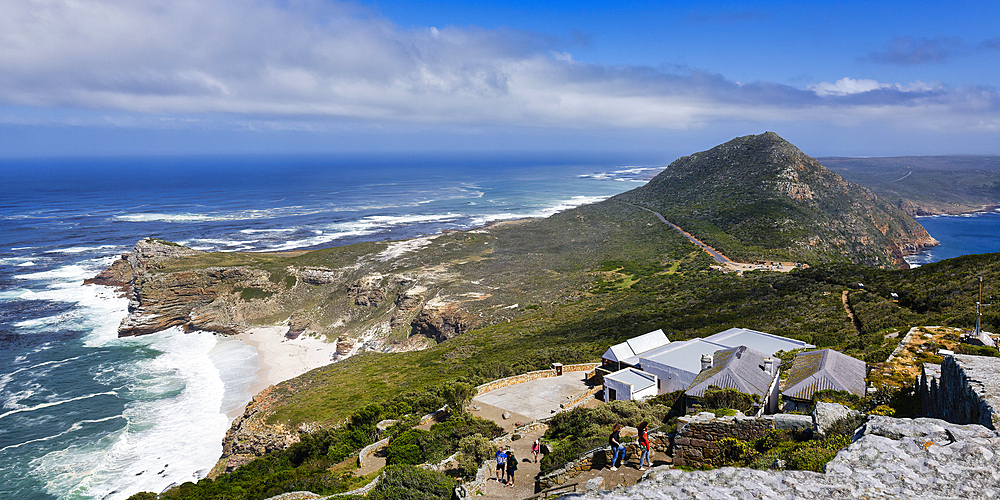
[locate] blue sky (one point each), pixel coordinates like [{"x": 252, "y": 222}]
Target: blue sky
[{"x": 653, "y": 80}]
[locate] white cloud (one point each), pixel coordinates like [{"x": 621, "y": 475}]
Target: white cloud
[
  {"x": 848, "y": 86},
  {"x": 316, "y": 59}
]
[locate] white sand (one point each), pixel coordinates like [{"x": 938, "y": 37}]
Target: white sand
[{"x": 281, "y": 359}]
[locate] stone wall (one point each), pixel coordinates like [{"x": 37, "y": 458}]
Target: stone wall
[
  {"x": 524, "y": 377},
  {"x": 596, "y": 459},
  {"x": 367, "y": 451},
  {"x": 892, "y": 458},
  {"x": 694, "y": 444},
  {"x": 965, "y": 391}
]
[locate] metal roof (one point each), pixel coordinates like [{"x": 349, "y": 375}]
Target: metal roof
[
  {"x": 635, "y": 378},
  {"x": 824, "y": 369},
  {"x": 685, "y": 355},
  {"x": 628, "y": 351},
  {"x": 759, "y": 341},
  {"x": 740, "y": 368},
  {"x": 618, "y": 352},
  {"x": 647, "y": 342}
]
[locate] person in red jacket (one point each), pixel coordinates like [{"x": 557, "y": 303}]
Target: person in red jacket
[{"x": 644, "y": 445}]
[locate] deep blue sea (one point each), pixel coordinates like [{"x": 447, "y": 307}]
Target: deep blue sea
[
  {"x": 84, "y": 414},
  {"x": 960, "y": 235}
]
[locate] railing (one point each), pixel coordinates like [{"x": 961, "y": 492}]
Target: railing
[{"x": 553, "y": 491}]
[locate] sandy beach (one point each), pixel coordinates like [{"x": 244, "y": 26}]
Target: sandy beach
[{"x": 281, "y": 358}]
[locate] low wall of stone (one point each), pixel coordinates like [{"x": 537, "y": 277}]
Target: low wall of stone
[
  {"x": 596, "y": 459},
  {"x": 694, "y": 444},
  {"x": 966, "y": 391},
  {"x": 524, "y": 377},
  {"x": 367, "y": 451}
]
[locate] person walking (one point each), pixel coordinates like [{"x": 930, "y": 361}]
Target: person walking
[
  {"x": 615, "y": 440},
  {"x": 536, "y": 448},
  {"x": 511, "y": 468},
  {"x": 501, "y": 463},
  {"x": 644, "y": 445}
]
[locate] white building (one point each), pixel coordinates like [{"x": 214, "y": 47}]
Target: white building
[
  {"x": 627, "y": 353},
  {"x": 676, "y": 364},
  {"x": 629, "y": 384}
]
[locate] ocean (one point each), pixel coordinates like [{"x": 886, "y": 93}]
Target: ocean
[
  {"x": 959, "y": 235},
  {"x": 87, "y": 415}
]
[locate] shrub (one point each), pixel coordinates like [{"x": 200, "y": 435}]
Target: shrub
[
  {"x": 715, "y": 397},
  {"x": 846, "y": 426},
  {"x": 810, "y": 458},
  {"x": 404, "y": 482},
  {"x": 733, "y": 452},
  {"x": 883, "y": 410},
  {"x": 976, "y": 350},
  {"x": 473, "y": 450},
  {"x": 143, "y": 495},
  {"x": 845, "y": 398}
]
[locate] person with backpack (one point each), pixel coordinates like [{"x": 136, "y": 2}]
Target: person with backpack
[
  {"x": 511, "y": 468},
  {"x": 536, "y": 448}
]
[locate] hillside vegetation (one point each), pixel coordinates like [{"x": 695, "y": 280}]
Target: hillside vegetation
[{"x": 759, "y": 198}]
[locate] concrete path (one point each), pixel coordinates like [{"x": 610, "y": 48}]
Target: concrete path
[{"x": 524, "y": 478}]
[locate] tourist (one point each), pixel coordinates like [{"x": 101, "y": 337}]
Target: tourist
[
  {"x": 536, "y": 448},
  {"x": 511, "y": 467},
  {"x": 615, "y": 440},
  {"x": 644, "y": 445},
  {"x": 501, "y": 463}
]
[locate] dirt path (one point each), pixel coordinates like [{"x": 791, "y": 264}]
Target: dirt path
[
  {"x": 724, "y": 262},
  {"x": 524, "y": 478}
]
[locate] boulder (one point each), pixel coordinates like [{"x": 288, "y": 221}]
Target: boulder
[
  {"x": 825, "y": 414},
  {"x": 791, "y": 422}
]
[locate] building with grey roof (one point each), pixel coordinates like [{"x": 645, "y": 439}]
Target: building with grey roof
[
  {"x": 676, "y": 364},
  {"x": 766, "y": 343},
  {"x": 742, "y": 368},
  {"x": 629, "y": 383},
  {"x": 627, "y": 353},
  {"x": 824, "y": 369}
]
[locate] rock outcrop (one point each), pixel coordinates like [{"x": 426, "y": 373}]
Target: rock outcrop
[{"x": 890, "y": 458}]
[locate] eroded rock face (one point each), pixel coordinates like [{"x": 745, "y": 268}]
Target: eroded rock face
[
  {"x": 442, "y": 322},
  {"x": 892, "y": 458},
  {"x": 250, "y": 436}
]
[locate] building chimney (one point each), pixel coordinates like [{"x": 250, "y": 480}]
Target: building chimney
[
  {"x": 769, "y": 365},
  {"x": 706, "y": 361}
]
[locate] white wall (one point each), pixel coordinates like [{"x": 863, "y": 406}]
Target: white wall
[
  {"x": 623, "y": 390},
  {"x": 671, "y": 378}
]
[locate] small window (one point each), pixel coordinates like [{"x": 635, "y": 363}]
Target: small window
[{"x": 612, "y": 395}]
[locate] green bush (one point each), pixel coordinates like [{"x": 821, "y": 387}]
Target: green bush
[
  {"x": 845, "y": 398},
  {"x": 143, "y": 495},
  {"x": 417, "y": 446},
  {"x": 810, "y": 458},
  {"x": 405, "y": 482},
  {"x": 976, "y": 350},
  {"x": 718, "y": 398},
  {"x": 473, "y": 450},
  {"x": 731, "y": 452}
]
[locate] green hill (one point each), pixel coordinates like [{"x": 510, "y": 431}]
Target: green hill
[{"x": 759, "y": 197}]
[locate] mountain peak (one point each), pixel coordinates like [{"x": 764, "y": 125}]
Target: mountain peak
[{"x": 758, "y": 197}]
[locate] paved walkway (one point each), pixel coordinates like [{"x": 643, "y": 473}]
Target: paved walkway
[
  {"x": 524, "y": 478},
  {"x": 536, "y": 399}
]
